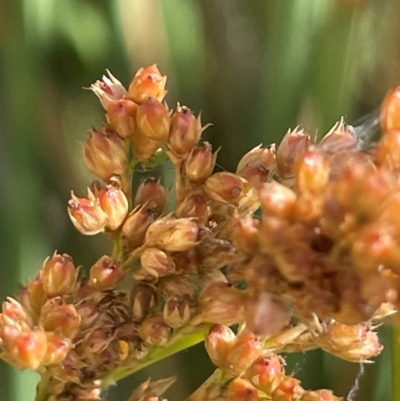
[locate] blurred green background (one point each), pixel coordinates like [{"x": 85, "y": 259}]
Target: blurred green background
[{"x": 253, "y": 67}]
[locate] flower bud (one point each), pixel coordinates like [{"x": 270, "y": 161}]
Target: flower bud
[
  {"x": 277, "y": 200},
  {"x": 143, "y": 300},
  {"x": 148, "y": 82},
  {"x": 58, "y": 275},
  {"x": 121, "y": 116},
  {"x": 60, "y": 318},
  {"x": 225, "y": 187},
  {"x": 174, "y": 235},
  {"x": 106, "y": 273},
  {"x": 266, "y": 373},
  {"x": 242, "y": 390},
  {"x": 152, "y": 194},
  {"x": 312, "y": 173},
  {"x": 218, "y": 343},
  {"x": 86, "y": 214},
  {"x": 222, "y": 303},
  {"x": 143, "y": 147},
  {"x": 114, "y": 203},
  {"x": 135, "y": 227},
  {"x": 108, "y": 89},
  {"x": 176, "y": 312},
  {"x": 28, "y": 349},
  {"x": 14, "y": 314},
  {"x": 155, "y": 331},
  {"x": 57, "y": 349},
  {"x": 292, "y": 147},
  {"x": 104, "y": 153},
  {"x": 185, "y": 131},
  {"x": 320, "y": 395},
  {"x": 153, "y": 120},
  {"x": 390, "y": 111},
  {"x": 200, "y": 163},
  {"x": 289, "y": 389},
  {"x": 155, "y": 263}
]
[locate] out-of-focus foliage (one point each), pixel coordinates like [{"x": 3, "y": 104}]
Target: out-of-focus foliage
[{"x": 255, "y": 68}]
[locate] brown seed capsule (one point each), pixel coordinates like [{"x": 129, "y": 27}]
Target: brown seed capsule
[
  {"x": 104, "y": 153},
  {"x": 108, "y": 89},
  {"x": 115, "y": 205},
  {"x": 86, "y": 214},
  {"x": 60, "y": 317},
  {"x": 121, "y": 116},
  {"x": 176, "y": 312},
  {"x": 174, "y": 235},
  {"x": 153, "y": 120},
  {"x": 106, "y": 273},
  {"x": 152, "y": 194},
  {"x": 155, "y": 331},
  {"x": 185, "y": 131},
  {"x": 148, "y": 82},
  {"x": 225, "y": 187},
  {"x": 292, "y": 147},
  {"x": 135, "y": 227},
  {"x": 143, "y": 300},
  {"x": 58, "y": 275},
  {"x": 200, "y": 163}
]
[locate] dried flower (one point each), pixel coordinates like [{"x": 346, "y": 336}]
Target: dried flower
[
  {"x": 106, "y": 273},
  {"x": 108, "y": 89},
  {"x": 152, "y": 194},
  {"x": 155, "y": 331},
  {"x": 199, "y": 164},
  {"x": 225, "y": 187}
]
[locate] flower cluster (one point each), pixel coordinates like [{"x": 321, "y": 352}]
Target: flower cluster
[{"x": 318, "y": 267}]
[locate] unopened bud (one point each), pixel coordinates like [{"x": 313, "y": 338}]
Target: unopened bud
[
  {"x": 106, "y": 273},
  {"x": 277, "y": 200},
  {"x": 266, "y": 373},
  {"x": 200, "y": 163},
  {"x": 58, "y": 275},
  {"x": 104, "y": 153},
  {"x": 57, "y": 349},
  {"x": 86, "y": 214},
  {"x": 153, "y": 120},
  {"x": 37, "y": 294},
  {"x": 148, "y": 82},
  {"x": 143, "y": 147},
  {"x": 155, "y": 331},
  {"x": 175, "y": 235},
  {"x": 59, "y": 317},
  {"x": 242, "y": 390},
  {"x": 292, "y": 147},
  {"x": 121, "y": 116},
  {"x": 339, "y": 139},
  {"x": 225, "y": 187},
  {"x": 152, "y": 194},
  {"x": 185, "y": 131},
  {"x": 108, "y": 89},
  {"x": 155, "y": 263},
  {"x": 312, "y": 173},
  {"x": 390, "y": 111},
  {"x": 176, "y": 312},
  {"x": 114, "y": 203},
  {"x": 135, "y": 227}
]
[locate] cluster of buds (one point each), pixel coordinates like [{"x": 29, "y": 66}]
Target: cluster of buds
[{"x": 319, "y": 268}]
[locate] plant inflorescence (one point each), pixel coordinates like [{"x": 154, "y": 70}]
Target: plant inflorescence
[{"x": 316, "y": 267}]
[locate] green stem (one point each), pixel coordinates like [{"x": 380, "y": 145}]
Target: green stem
[
  {"x": 42, "y": 389},
  {"x": 180, "y": 341}
]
